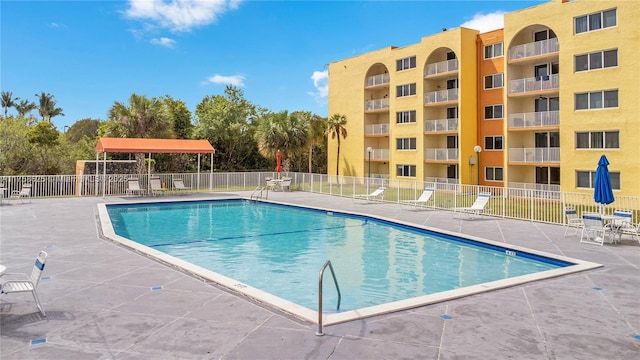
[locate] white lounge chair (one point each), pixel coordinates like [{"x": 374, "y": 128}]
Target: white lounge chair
[
  {"x": 595, "y": 231},
  {"x": 133, "y": 187},
  {"x": 156, "y": 186},
  {"x": 377, "y": 195},
  {"x": 476, "y": 208},
  {"x": 285, "y": 184},
  {"x": 421, "y": 201},
  {"x": 24, "y": 193},
  {"x": 23, "y": 282},
  {"x": 573, "y": 220},
  {"x": 178, "y": 184}
]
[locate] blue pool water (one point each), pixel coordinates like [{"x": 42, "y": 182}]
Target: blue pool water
[{"x": 280, "y": 249}]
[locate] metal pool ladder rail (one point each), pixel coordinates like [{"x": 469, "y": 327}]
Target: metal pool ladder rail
[{"x": 328, "y": 263}]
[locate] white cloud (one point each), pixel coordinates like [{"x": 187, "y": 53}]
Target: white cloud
[
  {"x": 320, "y": 83},
  {"x": 163, "y": 41},
  {"x": 180, "y": 15},
  {"x": 235, "y": 80},
  {"x": 486, "y": 22}
]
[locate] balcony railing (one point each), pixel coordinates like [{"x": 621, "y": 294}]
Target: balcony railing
[
  {"x": 377, "y": 80},
  {"x": 377, "y": 104},
  {"x": 534, "y": 155},
  {"x": 441, "y": 67},
  {"x": 377, "y": 129},
  {"x": 533, "y": 84},
  {"x": 430, "y": 179},
  {"x": 441, "y": 154},
  {"x": 534, "y": 49},
  {"x": 377, "y": 155},
  {"x": 534, "y": 119},
  {"x": 441, "y": 125},
  {"x": 441, "y": 96},
  {"x": 533, "y": 186}
]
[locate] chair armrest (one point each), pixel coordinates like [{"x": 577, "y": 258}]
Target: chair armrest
[{"x": 16, "y": 276}]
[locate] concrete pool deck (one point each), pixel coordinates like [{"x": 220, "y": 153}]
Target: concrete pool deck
[{"x": 105, "y": 301}]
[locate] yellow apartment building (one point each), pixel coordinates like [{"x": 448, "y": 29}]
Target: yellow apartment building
[{"x": 532, "y": 105}]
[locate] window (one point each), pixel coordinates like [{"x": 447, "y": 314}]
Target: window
[
  {"x": 403, "y": 117},
  {"x": 406, "y": 63},
  {"x": 598, "y": 140},
  {"x": 493, "y": 142},
  {"x": 493, "y": 81},
  {"x": 543, "y": 35},
  {"x": 406, "y": 144},
  {"x": 493, "y": 173},
  {"x": 595, "y": 21},
  {"x": 452, "y": 113},
  {"x": 587, "y": 179},
  {"x": 493, "y": 50},
  {"x": 597, "y": 100},
  {"x": 406, "y": 170},
  {"x": 493, "y": 112},
  {"x": 406, "y": 90},
  {"x": 596, "y": 60}
]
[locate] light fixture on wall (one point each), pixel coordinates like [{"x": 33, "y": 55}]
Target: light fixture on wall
[{"x": 477, "y": 149}]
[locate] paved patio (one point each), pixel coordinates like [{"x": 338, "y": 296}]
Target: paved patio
[{"x": 101, "y": 303}]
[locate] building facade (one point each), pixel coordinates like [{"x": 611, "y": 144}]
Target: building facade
[{"x": 533, "y": 105}]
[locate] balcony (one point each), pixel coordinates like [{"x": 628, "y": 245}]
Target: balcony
[
  {"x": 534, "y": 120},
  {"x": 534, "y": 84},
  {"x": 377, "y": 129},
  {"x": 441, "y": 125},
  {"x": 378, "y": 104},
  {"x": 534, "y": 155},
  {"x": 377, "y": 80},
  {"x": 439, "y": 180},
  {"x": 441, "y": 154},
  {"x": 534, "y": 49},
  {"x": 441, "y": 67},
  {"x": 441, "y": 96},
  {"x": 533, "y": 186},
  {"x": 377, "y": 155}
]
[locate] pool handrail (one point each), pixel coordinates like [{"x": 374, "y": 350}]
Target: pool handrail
[{"x": 327, "y": 263}]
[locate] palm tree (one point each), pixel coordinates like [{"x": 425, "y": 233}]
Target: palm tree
[
  {"x": 316, "y": 126},
  {"x": 47, "y": 106},
  {"x": 8, "y": 101},
  {"x": 281, "y": 131},
  {"x": 335, "y": 128},
  {"x": 142, "y": 118},
  {"x": 24, "y": 107}
]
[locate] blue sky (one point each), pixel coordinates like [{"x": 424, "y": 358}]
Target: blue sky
[{"x": 90, "y": 54}]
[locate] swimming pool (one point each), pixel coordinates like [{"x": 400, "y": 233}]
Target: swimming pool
[{"x": 275, "y": 252}]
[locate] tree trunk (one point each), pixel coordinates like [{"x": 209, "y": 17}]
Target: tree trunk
[{"x": 140, "y": 164}]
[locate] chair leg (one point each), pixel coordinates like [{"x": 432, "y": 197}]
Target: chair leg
[{"x": 35, "y": 296}]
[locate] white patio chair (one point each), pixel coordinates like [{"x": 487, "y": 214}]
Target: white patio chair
[
  {"x": 424, "y": 198},
  {"x": 377, "y": 195},
  {"x": 156, "y": 186},
  {"x": 285, "y": 184},
  {"x": 622, "y": 224},
  {"x": 595, "y": 231},
  {"x": 23, "y": 193},
  {"x": 23, "y": 282},
  {"x": 178, "y": 184},
  {"x": 133, "y": 187},
  {"x": 476, "y": 208},
  {"x": 573, "y": 220}
]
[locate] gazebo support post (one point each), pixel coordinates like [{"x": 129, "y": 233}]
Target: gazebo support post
[
  {"x": 97, "y": 171},
  {"x": 198, "y": 181},
  {"x": 104, "y": 174}
]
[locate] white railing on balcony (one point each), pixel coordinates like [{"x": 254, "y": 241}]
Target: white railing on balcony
[
  {"x": 377, "y": 80},
  {"x": 442, "y": 154},
  {"x": 440, "y": 180},
  {"x": 535, "y": 155},
  {"x": 534, "y": 119},
  {"x": 533, "y": 186},
  {"x": 533, "y": 84},
  {"x": 441, "y": 125},
  {"x": 377, "y": 155},
  {"x": 441, "y": 96},
  {"x": 441, "y": 67},
  {"x": 377, "y": 104},
  {"x": 534, "y": 49},
  {"x": 377, "y": 129}
]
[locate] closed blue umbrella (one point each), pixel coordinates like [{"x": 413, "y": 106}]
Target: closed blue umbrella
[{"x": 603, "y": 191}]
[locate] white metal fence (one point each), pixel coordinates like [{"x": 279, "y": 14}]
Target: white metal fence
[{"x": 515, "y": 203}]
